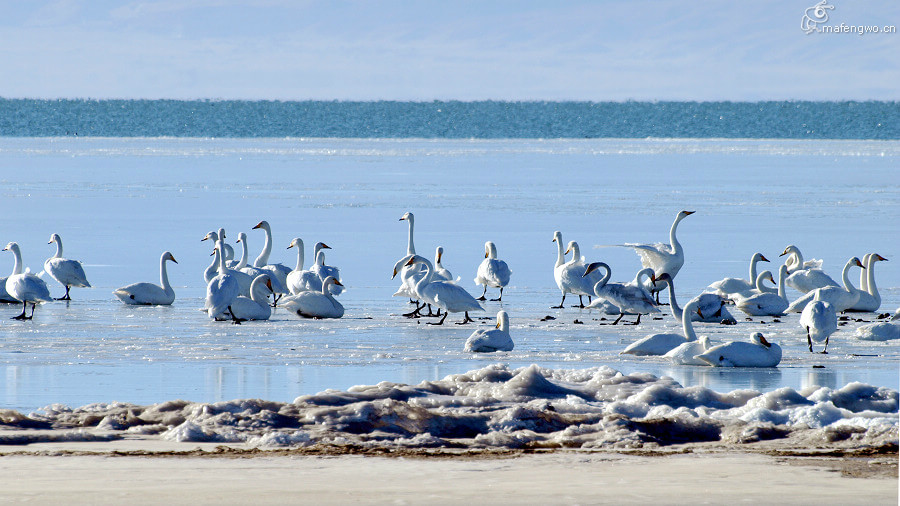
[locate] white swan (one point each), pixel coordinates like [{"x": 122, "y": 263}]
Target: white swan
[
  {"x": 294, "y": 279},
  {"x": 279, "y": 271},
  {"x": 5, "y": 297},
  {"x": 491, "y": 340},
  {"x": 820, "y": 321},
  {"x": 686, "y": 353},
  {"x": 222, "y": 289},
  {"x": 323, "y": 271},
  {"x": 445, "y": 295},
  {"x": 606, "y": 307},
  {"x": 766, "y": 304},
  {"x": 727, "y": 286},
  {"x": 148, "y": 293},
  {"x": 492, "y": 271},
  {"x": 568, "y": 275},
  {"x": 869, "y": 298},
  {"x": 409, "y": 274},
  {"x": 24, "y": 286},
  {"x": 440, "y": 272},
  {"x": 251, "y": 270},
  {"x": 758, "y": 353},
  {"x": 879, "y": 331},
  {"x": 255, "y": 307},
  {"x": 243, "y": 279},
  {"x": 214, "y": 236},
  {"x": 663, "y": 258},
  {"x": 630, "y": 299},
  {"x": 710, "y": 306},
  {"x": 805, "y": 276},
  {"x": 660, "y": 344},
  {"x": 310, "y": 304},
  {"x": 842, "y": 298},
  {"x": 241, "y": 264},
  {"x": 69, "y": 273}
]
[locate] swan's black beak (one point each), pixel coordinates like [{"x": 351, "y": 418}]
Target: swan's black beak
[
  {"x": 762, "y": 258},
  {"x": 338, "y": 283}
]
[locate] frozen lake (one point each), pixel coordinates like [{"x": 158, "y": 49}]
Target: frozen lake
[{"x": 118, "y": 203}]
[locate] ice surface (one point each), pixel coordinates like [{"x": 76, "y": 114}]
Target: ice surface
[{"x": 118, "y": 203}]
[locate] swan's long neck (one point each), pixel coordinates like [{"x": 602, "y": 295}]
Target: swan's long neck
[
  {"x": 863, "y": 275},
  {"x": 845, "y": 274},
  {"x": 164, "y": 275},
  {"x": 576, "y": 252},
  {"x": 17, "y": 268},
  {"x": 676, "y": 246},
  {"x": 561, "y": 252},
  {"x": 263, "y": 259},
  {"x": 300, "y": 258},
  {"x": 676, "y": 309},
  {"x": 220, "y": 258},
  {"x": 870, "y": 276},
  {"x": 605, "y": 279},
  {"x": 753, "y": 262},
  {"x": 686, "y": 323},
  {"x": 257, "y": 292},
  {"x": 426, "y": 279},
  {"x": 504, "y": 322},
  {"x": 492, "y": 251},
  {"x": 782, "y": 274},
  {"x": 58, "y": 248},
  {"x": 410, "y": 247}
]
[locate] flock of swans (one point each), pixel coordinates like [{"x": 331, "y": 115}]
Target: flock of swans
[{"x": 238, "y": 291}]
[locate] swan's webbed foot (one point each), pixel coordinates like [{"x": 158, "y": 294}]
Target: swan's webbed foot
[
  {"x": 481, "y": 298},
  {"x": 638, "y": 321},
  {"x": 234, "y": 319},
  {"x": 275, "y": 298},
  {"x": 466, "y": 320},
  {"x": 440, "y": 322},
  {"x": 621, "y": 315},
  {"x": 500, "y": 298},
  {"x": 22, "y": 316},
  {"x": 415, "y": 313}
]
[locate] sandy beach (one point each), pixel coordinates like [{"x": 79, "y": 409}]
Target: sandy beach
[{"x": 158, "y": 472}]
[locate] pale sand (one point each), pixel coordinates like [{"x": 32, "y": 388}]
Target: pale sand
[{"x": 90, "y": 473}]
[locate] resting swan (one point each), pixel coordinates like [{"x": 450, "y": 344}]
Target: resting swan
[
  {"x": 148, "y": 294},
  {"x": 495, "y": 339},
  {"x": 758, "y": 353},
  {"x": 312, "y": 304},
  {"x": 69, "y": 273},
  {"x": 492, "y": 272},
  {"x": 25, "y": 287},
  {"x": 766, "y": 304},
  {"x": 660, "y": 344},
  {"x": 805, "y": 276},
  {"x": 869, "y": 298},
  {"x": 255, "y": 307},
  {"x": 279, "y": 271},
  {"x": 663, "y": 258},
  {"x": 710, "y": 307},
  {"x": 842, "y": 298},
  {"x": 727, "y": 286},
  {"x": 630, "y": 299},
  {"x": 222, "y": 289}
]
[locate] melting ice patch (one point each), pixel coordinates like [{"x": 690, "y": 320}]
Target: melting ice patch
[{"x": 495, "y": 407}]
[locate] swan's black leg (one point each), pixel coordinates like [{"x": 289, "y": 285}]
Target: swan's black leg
[
  {"x": 440, "y": 322},
  {"x": 415, "y": 313},
  {"x": 21, "y": 316},
  {"x": 809, "y": 340},
  {"x": 500, "y": 298},
  {"x": 619, "y": 318},
  {"x": 33, "y": 304},
  {"x": 826, "y": 346},
  {"x": 482, "y": 293},
  {"x": 465, "y": 320},
  {"x": 580, "y": 302},
  {"x": 66, "y": 296},
  {"x": 234, "y": 319},
  {"x": 638, "y": 321},
  {"x": 560, "y": 302}
]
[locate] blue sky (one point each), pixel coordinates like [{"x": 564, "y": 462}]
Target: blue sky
[{"x": 425, "y": 50}]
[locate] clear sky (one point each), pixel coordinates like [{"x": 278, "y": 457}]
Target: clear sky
[{"x": 446, "y": 49}]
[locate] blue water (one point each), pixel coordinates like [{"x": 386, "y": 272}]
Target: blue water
[{"x": 449, "y": 120}]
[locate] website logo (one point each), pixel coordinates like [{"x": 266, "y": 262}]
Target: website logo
[{"x": 815, "y": 16}]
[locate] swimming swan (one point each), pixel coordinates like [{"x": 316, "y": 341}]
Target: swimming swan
[
  {"x": 25, "y": 287},
  {"x": 491, "y": 340},
  {"x": 147, "y": 293},
  {"x": 69, "y": 273},
  {"x": 492, "y": 272}
]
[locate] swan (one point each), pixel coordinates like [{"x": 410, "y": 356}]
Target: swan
[
  {"x": 5, "y": 297},
  {"x": 710, "y": 307},
  {"x": 214, "y": 236},
  {"x": 869, "y": 298},
  {"x": 766, "y": 304},
  {"x": 223, "y": 289},
  {"x": 255, "y": 307},
  {"x": 148, "y": 293},
  {"x": 660, "y": 344},
  {"x": 805, "y": 276},
  {"x": 842, "y": 298},
  {"x": 758, "y": 353},
  {"x": 495, "y": 339},
  {"x": 663, "y": 258},
  {"x": 409, "y": 274},
  {"x": 820, "y": 321},
  {"x": 279, "y": 271},
  {"x": 241, "y": 266},
  {"x": 243, "y": 279},
  {"x": 492, "y": 272},
  {"x": 294, "y": 279},
  {"x": 323, "y": 271},
  {"x": 727, "y": 286},
  {"x": 629, "y": 299},
  {"x": 24, "y": 286},
  {"x": 440, "y": 273},
  {"x": 686, "y": 353},
  {"x": 568, "y": 275},
  {"x": 606, "y": 307},
  {"x": 300, "y": 280},
  {"x": 880, "y": 331},
  {"x": 311, "y": 304},
  {"x": 446, "y": 295},
  {"x": 69, "y": 273}
]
